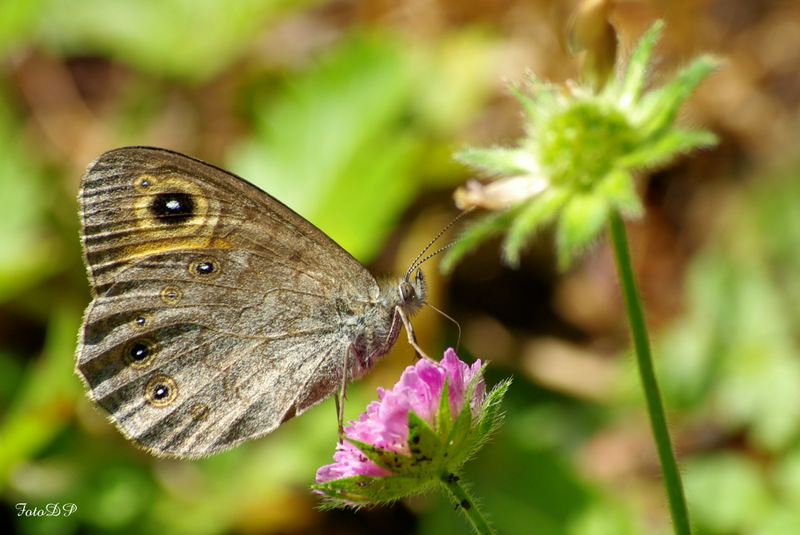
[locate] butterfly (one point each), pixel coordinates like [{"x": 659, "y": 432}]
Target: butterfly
[{"x": 217, "y": 312}]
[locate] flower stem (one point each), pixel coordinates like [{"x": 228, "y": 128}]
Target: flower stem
[
  {"x": 655, "y": 407},
  {"x": 465, "y": 502}
]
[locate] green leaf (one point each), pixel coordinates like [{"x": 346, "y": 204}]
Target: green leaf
[
  {"x": 534, "y": 213},
  {"x": 660, "y": 106},
  {"x": 619, "y": 189},
  {"x": 543, "y": 97},
  {"x": 580, "y": 222},
  {"x": 498, "y": 161},
  {"x": 423, "y": 442},
  {"x": 443, "y": 418},
  {"x": 363, "y": 490},
  {"x": 636, "y": 70},
  {"x": 667, "y": 146},
  {"x": 490, "y": 412},
  {"x": 457, "y": 448},
  {"x": 396, "y": 463}
]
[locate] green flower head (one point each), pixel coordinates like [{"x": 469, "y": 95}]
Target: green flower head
[{"x": 577, "y": 161}]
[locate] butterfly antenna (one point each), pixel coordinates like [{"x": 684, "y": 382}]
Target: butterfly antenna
[
  {"x": 417, "y": 262},
  {"x": 458, "y": 325}
]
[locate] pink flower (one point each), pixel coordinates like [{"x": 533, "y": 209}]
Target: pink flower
[{"x": 413, "y": 433}]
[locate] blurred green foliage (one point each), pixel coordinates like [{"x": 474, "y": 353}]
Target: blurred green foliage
[
  {"x": 190, "y": 40},
  {"x": 732, "y": 361},
  {"x": 352, "y": 131},
  {"x": 356, "y": 101},
  {"x": 342, "y": 140}
]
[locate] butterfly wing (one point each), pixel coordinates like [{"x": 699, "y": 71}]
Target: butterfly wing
[{"x": 217, "y": 309}]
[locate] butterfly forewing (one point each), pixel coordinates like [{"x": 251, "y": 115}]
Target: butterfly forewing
[{"x": 217, "y": 310}]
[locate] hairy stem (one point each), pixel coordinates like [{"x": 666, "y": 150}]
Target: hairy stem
[{"x": 465, "y": 502}]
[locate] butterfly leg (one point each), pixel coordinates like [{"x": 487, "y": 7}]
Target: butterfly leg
[
  {"x": 342, "y": 394},
  {"x": 412, "y": 339},
  {"x": 340, "y": 413}
]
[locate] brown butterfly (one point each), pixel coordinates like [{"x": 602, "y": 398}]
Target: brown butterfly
[{"x": 218, "y": 313}]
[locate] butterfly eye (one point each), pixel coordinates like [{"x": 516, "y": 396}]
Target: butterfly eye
[
  {"x": 160, "y": 391},
  {"x": 407, "y": 291}
]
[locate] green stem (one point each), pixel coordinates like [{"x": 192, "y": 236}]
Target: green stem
[
  {"x": 655, "y": 407},
  {"x": 465, "y": 502}
]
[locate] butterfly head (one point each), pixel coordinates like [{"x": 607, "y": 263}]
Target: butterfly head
[{"x": 412, "y": 291}]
